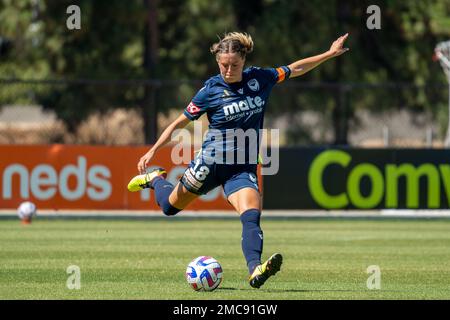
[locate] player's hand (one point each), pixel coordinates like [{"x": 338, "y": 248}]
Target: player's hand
[
  {"x": 337, "y": 48},
  {"x": 144, "y": 161}
]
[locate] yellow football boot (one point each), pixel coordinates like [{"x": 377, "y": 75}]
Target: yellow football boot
[
  {"x": 144, "y": 181},
  {"x": 266, "y": 270}
]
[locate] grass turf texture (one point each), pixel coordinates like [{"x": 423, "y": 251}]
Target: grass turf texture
[{"x": 147, "y": 259}]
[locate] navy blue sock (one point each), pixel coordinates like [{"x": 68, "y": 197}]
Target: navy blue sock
[
  {"x": 252, "y": 238},
  {"x": 163, "y": 189}
]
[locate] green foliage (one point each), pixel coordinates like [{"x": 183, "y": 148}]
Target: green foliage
[{"x": 110, "y": 45}]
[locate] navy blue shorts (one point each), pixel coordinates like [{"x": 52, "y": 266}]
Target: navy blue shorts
[{"x": 201, "y": 177}]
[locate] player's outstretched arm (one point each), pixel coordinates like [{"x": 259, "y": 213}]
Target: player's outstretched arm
[
  {"x": 179, "y": 123},
  {"x": 304, "y": 65}
]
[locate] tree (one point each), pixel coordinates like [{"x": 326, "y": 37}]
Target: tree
[
  {"x": 398, "y": 53},
  {"x": 111, "y": 45},
  {"x": 106, "y": 48}
]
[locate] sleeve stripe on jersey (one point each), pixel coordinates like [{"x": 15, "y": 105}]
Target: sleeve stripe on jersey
[{"x": 281, "y": 74}]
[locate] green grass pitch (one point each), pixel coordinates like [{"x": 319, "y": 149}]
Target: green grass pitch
[{"x": 147, "y": 259}]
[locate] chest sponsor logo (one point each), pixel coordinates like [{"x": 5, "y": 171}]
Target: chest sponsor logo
[{"x": 244, "y": 105}]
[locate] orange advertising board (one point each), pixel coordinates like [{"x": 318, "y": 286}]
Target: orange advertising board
[{"x": 86, "y": 177}]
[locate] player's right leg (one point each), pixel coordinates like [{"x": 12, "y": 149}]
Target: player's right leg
[
  {"x": 199, "y": 178},
  {"x": 171, "y": 199}
]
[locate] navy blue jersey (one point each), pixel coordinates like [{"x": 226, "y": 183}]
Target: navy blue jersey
[{"x": 235, "y": 111}]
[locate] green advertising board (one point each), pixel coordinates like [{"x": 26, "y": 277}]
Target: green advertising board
[{"x": 344, "y": 178}]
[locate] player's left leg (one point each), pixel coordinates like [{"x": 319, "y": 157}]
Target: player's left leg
[{"x": 247, "y": 202}]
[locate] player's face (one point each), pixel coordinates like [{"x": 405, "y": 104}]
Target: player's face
[{"x": 231, "y": 66}]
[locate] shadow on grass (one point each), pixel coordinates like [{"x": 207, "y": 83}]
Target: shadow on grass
[
  {"x": 330, "y": 290},
  {"x": 308, "y": 290}
]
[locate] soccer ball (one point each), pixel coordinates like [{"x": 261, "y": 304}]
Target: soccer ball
[
  {"x": 204, "y": 273},
  {"x": 26, "y": 211}
]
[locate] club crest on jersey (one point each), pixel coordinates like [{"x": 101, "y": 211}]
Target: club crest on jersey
[
  {"x": 253, "y": 84},
  {"x": 192, "y": 108}
]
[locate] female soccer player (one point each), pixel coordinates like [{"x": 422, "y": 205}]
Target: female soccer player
[{"x": 234, "y": 99}]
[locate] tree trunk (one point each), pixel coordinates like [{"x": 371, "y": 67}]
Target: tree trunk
[
  {"x": 340, "y": 120},
  {"x": 340, "y": 116},
  {"x": 149, "y": 108}
]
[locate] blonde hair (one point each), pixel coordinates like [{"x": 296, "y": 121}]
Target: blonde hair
[{"x": 233, "y": 42}]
